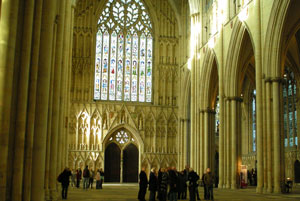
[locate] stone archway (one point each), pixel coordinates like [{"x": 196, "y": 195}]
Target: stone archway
[{"x": 121, "y": 157}]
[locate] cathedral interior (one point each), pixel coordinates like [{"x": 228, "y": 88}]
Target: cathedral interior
[{"x": 126, "y": 84}]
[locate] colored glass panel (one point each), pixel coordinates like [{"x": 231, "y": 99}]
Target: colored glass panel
[
  {"x": 142, "y": 73},
  {"x": 149, "y": 70},
  {"x": 127, "y": 68},
  {"x": 113, "y": 65},
  {"x": 105, "y": 66},
  {"x": 134, "y": 74},
  {"x": 120, "y": 66},
  {"x": 98, "y": 66}
]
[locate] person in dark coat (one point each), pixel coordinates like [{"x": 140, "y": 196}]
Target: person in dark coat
[
  {"x": 101, "y": 177},
  {"x": 193, "y": 178},
  {"x": 78, "y": 178},
  {"x": 209, "y": 181},
  {"x": 204, "y": 186},
  {"x": 143, "y": 185},
  {"x": 173, "y": 181},
  {"x": 186, "y": 177},
  {"x": 163, "y": 187},
  {"x": 152, "y": 185},
  {"x": 181, "y": 183},
  {"x": 159, "y": 178},
  {"x": 64, "y": 179}
]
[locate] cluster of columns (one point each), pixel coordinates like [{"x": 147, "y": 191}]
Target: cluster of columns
[
  {"x": 269, "y": 129},
  {"x": 35, "y": 52}
]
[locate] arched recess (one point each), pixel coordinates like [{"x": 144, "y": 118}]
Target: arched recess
[
  {"x": 239, "y": 79},
  {"x": 286, "y": 76},
  {"x": 112, "y": 163},
  {"x": 131, "y": 146},
  {"x": 209, "y": 111}
]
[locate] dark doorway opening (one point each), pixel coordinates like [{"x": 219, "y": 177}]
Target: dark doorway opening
[
  {"x": 130, "y": 163},
  {"x": 112, "y": 163},
  {"x": 297, "y": 171}
]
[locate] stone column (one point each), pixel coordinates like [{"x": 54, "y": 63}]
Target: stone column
[
  {"x": 121, "y": 167},
  {"x": 233, "y": 144},
  {"x": 206, "y": 140},
  {"x": 32, "y": 99},
  {"x": 228, "y": 139},
  {"x": 18, "y": 162},
  {"x": 8, "y": 33},
  {"x": 42, "y": 100},
  {"x": 269, "y": 136},
  {"x": 56, "y": 100},
  {"x": 276, "y": 135},
  {"x": 259, "y": 98},
  {"x": 201, "y": 147}
]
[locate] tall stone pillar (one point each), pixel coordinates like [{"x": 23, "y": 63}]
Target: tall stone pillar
[
  {"x": 201, "y": 147},
  {"x": 276, "y": 135},
  {"x": 8, "y": 33},
  {"x": 233, "y": 143},
  {"x": 228, "y": 144},
  {"x": 259, "y": 99},
  {"x": 42, "y": 100},
  {"x": 56, "y": 101},
  {"x": 206, "y": 140},
  {"x": 32, "y": 100},
  {"x": 17, "y": 186},
  {"x": 269, "y": 135}
]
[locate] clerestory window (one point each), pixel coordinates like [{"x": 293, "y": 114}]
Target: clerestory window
[{"x": 124, "y": 53}]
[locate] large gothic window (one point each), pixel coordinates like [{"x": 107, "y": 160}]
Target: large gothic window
[
  {"x": 124, "y": 56},
  {"x": 289, "y": 108}
]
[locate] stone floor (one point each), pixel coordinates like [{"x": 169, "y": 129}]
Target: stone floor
[{"x": 128, "y": 192}]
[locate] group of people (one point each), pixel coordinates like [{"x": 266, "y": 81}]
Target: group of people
[
  {"x": 170, "y": 184},
  {"x": 88, "y": 179},
  {"x": 88, "y": 176}
]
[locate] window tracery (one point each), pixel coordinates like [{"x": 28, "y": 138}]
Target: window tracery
[
  {"x": 124, "y": 56},
  {"x": 290, "y": 108}
]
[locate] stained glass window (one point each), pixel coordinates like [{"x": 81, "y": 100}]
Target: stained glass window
[
  {"x": 124, "y": 52},
  {"x": 290, "y": 109},
  {"x": 254, "y": 120}
]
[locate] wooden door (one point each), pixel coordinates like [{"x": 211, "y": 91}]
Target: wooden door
[
  {"x": 112, "y": 163},
  {"x": 130, "y": 163}
]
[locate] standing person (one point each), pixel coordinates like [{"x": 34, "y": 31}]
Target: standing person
[
  {"x": 163, "y": 187},
  {"x": 143, "y": 185},
  {"x": 159, "y": 178},
  {"x": 91, "y": 179},
  {"x": 152, "y": 185},
  {"x": 73, "y": 176},
  {"x": 86, "y": 177},
  {"x": 101, "y": 177},
  {"x": 181, "y": 184},
  {"x": 64, "y": 179},
  {"x": 204, "y": 186},
  {"x": 186, "y": 178},
  {"x": 209, "y": 181},
  {"x": 173, "y": 181},
  {"x": 193, "y": 178},
  {"x": 78, "y": 178},
  {"x": 98, "y": 179}
]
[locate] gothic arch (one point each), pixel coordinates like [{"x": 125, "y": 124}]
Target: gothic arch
[
  {"x": 133, "y": 132},
  {"x": 274, "y": 38},
  {"x": 233, "y": 61}
]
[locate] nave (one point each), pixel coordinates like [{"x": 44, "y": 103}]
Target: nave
[{"x": 128, "y": 192}]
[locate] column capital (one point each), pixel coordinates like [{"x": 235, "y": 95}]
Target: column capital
[
  {"x": 234, "y": 98},
  {"x": 274, "y": 79}
]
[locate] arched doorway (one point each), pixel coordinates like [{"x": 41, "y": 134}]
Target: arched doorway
[
  {"x": 121, "y": 157},
  {"x": 112, "y": 163},
  {"x": 130, "y": 163}
]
